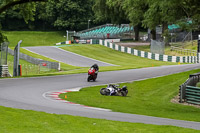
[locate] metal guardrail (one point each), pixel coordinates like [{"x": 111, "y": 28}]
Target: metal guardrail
[
  {"x": 193, "y": 95},
  {"x": 183, "y": 89}
]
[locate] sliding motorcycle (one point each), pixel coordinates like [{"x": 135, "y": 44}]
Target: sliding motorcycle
[{"x": 114, "y": 90}]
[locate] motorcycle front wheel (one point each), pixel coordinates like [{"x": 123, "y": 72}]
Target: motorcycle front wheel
[
  {"x": 123, "y": 93},
  {"x": 88, "y": 79}
]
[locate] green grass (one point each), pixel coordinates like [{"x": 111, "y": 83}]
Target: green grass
[
  {"x": 148, "y": 97},
  {"x": 34, "y": 38},
  {"x": 123, "y": 60},
  {"x": 198, "y": 84},
  {"x": 24, "y": 121}
]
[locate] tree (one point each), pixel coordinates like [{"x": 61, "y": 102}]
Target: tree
[
  {"x": 135, "y": 10},
  {"x": 6, "y": 4},
  {"x": 171, "y": 12},
  {"x": 70, "y": 14},
  {"x": 26, "y": 10}
]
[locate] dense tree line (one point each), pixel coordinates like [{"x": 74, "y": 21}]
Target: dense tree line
[
  {"x": 49, "y": 15},
  {"x": 74, "y": 14}
]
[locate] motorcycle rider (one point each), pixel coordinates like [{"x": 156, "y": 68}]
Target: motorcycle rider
[{"x": 96, "y": 67}]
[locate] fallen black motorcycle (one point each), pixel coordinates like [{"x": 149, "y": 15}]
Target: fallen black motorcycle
[{"x": 113, "y": 90}]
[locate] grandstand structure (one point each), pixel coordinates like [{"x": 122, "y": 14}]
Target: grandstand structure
[{"x": 107, "y": 31}]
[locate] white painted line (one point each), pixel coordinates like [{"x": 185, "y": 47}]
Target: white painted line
[
  {"x": 82, "y": 56},
  {"x": 42, "y": 55},
  {"x": 101, "y": 109}
]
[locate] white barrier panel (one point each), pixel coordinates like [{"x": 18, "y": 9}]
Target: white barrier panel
[
  {"x": 106, "y": 44},
  {"x": 173, "y": 58},
  {"x": 135, "y": 52},
  {"x": 116, "y": 47},
  {"x": 142, "y": 53},
  {"x": 181, "y": 59},
  {"x": 149, "y": 55},
  {"x": 100, "y": 42},
  {"x": 129, "y": 50},
  {"x": 165, "y": 57},
  {"x": 186, "y": 60},
  {"x": 156, "y": 56},
  {"x": 122, "y": 49},
  {"x": 111, "y": 45}
]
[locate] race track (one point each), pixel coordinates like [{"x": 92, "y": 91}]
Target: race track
[{"x": 28, "y": 93}]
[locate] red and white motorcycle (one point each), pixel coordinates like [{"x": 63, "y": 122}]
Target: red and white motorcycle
[{"x": 92, "y": 74}]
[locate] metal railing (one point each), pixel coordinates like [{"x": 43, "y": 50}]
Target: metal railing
[{"x": 184, "y": 51}]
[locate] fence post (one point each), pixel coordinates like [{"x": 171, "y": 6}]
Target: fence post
[
  {"x": 198, "y": 47},
  {"x": 181, "y": 94}
]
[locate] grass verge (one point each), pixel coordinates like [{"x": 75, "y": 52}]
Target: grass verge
[
  {"x": 34, "y": 38},
  {"x": 148, "y": 97},
  {"x": 22, "y": 121},
  {"x": 122, "y": 60}
]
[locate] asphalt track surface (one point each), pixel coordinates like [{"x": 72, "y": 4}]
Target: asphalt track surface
[
  {"x": 27, "y": 93},
  {"x": 65, "y": 56}
]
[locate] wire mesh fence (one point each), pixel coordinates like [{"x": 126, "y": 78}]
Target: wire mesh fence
[
  {"x": 32, "y": 69},
  {"x": 36, "y": 61},
  {"x": 157, "y": 47}
]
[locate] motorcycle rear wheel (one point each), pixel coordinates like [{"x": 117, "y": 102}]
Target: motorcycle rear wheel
[{"x": 104, "y": 92}]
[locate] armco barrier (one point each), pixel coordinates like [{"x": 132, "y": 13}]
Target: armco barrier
[
  {"x": 51, "y": 65},
  {"x": 189, "y": 91},
  {"x": 181, "y": 59},
  {"x": 193, "y": 95}
]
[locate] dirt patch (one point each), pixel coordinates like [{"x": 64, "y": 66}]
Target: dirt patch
[{"x": 176, "y": 100}]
